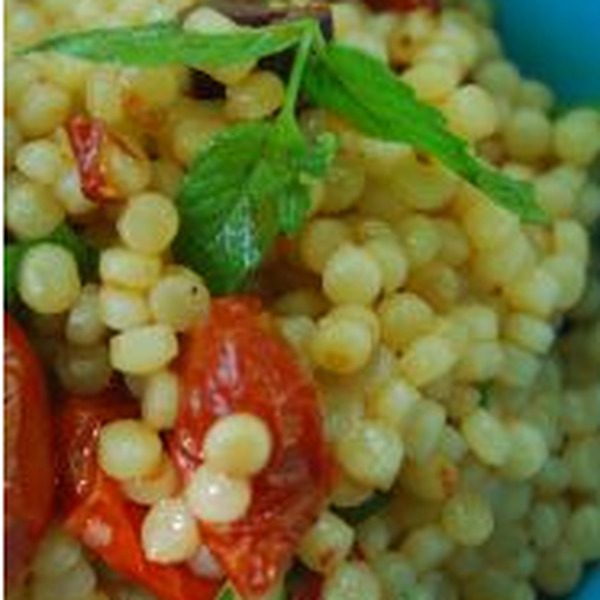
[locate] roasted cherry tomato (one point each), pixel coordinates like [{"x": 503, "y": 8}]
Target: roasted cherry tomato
[
  {"x": 236, "y": 362},
  {"x": 98, "y": 512},
  {"x": 88, "y": 138},
  {"x": 404, "y": 5},
  {"x": 28, "y": 474}
]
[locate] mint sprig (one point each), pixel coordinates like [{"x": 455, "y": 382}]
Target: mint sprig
[
  {"x": 253, "y": 182},
  {"x": 364, "y": 91},
  {"x": 85, "y": 256},
  {"x": 169, "y": 43}
]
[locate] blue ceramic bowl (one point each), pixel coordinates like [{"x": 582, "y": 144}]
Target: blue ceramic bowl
[{"x": 558, "y": 41}]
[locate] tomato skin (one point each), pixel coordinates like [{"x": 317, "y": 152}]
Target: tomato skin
[
  {"x": 87, "y": 137},
  {"x": 236, "y": 362},
  {"x": 28, "y": 475},
  {"x": 77, "y": 427},
  {"x": 405, "y": 5},
  {"x": 98, "y": 513}
]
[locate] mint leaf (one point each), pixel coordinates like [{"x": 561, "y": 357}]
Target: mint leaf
[
  {"x": 251, "y": 184},
  {"x": 364, "y": 91},
  {"x": 168, "y": 43},
  {"x": 85, "y": 255}
]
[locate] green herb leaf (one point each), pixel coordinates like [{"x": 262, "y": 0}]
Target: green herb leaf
[
  {"x": 485, "y": 394},
  {"x": 252, "y": 184},
  {"x": 85, "y": 255},
  {"x": 354, "y": 515},
  {"x": 366, "y": 93},
  {"x": 168, "y": 43},
  {"x": 13, "y": 255}
]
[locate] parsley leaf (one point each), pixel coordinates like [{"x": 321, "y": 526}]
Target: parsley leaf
[
  {"x": 251, "y": 184},
  {"x": 63, "y": 235},
  {"x": 168, "y": 43},
  {"x": 366, "y": 93}
]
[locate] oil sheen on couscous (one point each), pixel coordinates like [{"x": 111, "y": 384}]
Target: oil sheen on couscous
[{"x": 454, "y": 349}]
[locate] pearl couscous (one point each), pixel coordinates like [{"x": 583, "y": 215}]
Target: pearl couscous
[{"x": 454, "y": 350}]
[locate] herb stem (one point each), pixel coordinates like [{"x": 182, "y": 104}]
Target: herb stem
[{"x": 295, "y": 80}]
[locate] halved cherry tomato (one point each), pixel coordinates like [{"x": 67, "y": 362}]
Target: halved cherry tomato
[
  {"x": 236, "y": 362},
  {"x": 88, "y": 137},
  {"x": 28, "y": 475},
  {"x": 404, "y": 5},
  {"x": 98, "y": 512}
]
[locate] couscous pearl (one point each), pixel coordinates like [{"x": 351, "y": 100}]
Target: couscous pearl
[
  {"x": 393, "y": 401},
  {"x": 327, "y": 543},
  {"x": 527, "y": 134},
  {"x": 583, "y": 531},
  {"x": 371, "y": 453},
  {"x": 341, "y": 344},
  {"x": 144, "y": 349},
  {"x": 44, "y": 107},
  {"x": 122, "y": 308},
  {"x": 83, "y": 369},
  {"x": 179, "y": 299},
  {"x": 499, "y": 78},
  {"x": 528, "y": 452},
  {"x": 256, "y": 96},
  {"x": 432, "y": 81},
  {"x": 352, "y": 581},
  {"x": 204, "y": 564},
  {"x": 319, "y": 240},
  {"x": 48, "y": 279},
  {"x": 487, "y": 437},
  {"x": 150, "y": 489},
  {"x": 467, "y": 519},
  {"x": 427, "y": 359},
  {"x": 422, "y": 429},
  {"x": 427, "y": 547},
  {"x": 404, "y": 317},
  {"x": 576, "y": 137},
  {"x": 208, "y": 20},
  {"x": 31, "y": 211},
  {"x": 471, "y": 112},
  {"x": 128, "y": 268},
  {"x": 129, "y": 448},
  {"x": 57, "y": 553},
  {"x": 84, "y": 325},
  {"x": 352, "y": 275},
  {"x": 40, "y": 161},
  {"x": 169, "y": 532},
  {"x": 216, "y": 498},
  {"x": 149, "y": 223},
  {"x": 77, "y": 582},
  {"x": 239, "y": 445},
  {"x": 160, "y": 399},
  {"x": 343, "y": 187},
  {"x": 392, "y": 262},
  {"x": 558, "y": 570}
]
